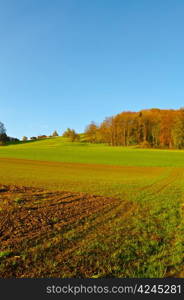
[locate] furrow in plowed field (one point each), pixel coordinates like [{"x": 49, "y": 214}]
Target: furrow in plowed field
[{"x": 29, "y": 217}]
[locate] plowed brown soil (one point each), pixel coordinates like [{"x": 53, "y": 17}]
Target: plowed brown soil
[{"x": 31, "y": 217}]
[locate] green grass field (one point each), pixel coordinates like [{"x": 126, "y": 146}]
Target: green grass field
[
  {"x": 60, "y": 150},
  {"x": 144, "y": 240}
]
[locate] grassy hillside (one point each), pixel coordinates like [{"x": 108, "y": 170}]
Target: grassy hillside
[
  {"x": 138, "y": 232},
  {"x": 59, "y": 149},
  {"x": 98, "y": 169}
]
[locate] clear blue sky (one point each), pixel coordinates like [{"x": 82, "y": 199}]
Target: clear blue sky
[{"x": 64, "y": 63}]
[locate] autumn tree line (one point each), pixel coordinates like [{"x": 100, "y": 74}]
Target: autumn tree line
[
  {"x": 154, "y": 128},
  {"x": 151, "y": 128}
]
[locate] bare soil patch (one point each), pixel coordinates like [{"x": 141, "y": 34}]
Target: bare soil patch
[{"x": 31, "y": 216}]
